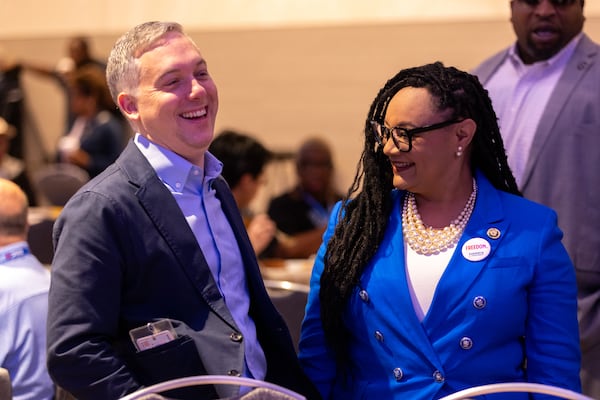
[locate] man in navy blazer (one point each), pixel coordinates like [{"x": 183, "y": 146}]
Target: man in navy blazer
[
  {"x": 154, "y": 277},
  {"x": 546, "y": 91}
]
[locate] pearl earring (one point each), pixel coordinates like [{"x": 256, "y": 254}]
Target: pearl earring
[{"x": 459, "y": 151}]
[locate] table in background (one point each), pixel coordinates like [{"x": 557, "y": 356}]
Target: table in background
[{"x": 293, "y": 270}]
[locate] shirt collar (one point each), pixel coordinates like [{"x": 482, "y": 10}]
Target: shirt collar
[
  {"x": 13, "y": 251},
  {"x": 559, "y": 58},
  {"x": 176, "y": 172}
]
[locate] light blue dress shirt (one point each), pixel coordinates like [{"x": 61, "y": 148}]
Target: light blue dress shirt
[
  {"x": 191, "y": 187},
  {"x": 24, "y": 284}
]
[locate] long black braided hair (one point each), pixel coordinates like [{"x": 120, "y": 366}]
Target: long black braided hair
[{"x": 364, "y": 218}]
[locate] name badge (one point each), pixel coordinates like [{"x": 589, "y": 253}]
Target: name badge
[{"x": 152, "y": 334}]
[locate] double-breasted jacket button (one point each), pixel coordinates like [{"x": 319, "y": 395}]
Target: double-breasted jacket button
[
  {"x": 479, "y": 302},
  {"x": 364, "y": 296},
  {"x": 437, "y": 376},
  {"x": 378, "y": 336},
  {"x": 466, "y": 343},
  {"x": 236, "y": 337},
  {"x": 234, "y": 372},
  {"x": 398, "y": 374}
]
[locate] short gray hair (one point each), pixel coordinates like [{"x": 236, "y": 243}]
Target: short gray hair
[{"x": 122, "y": 70}]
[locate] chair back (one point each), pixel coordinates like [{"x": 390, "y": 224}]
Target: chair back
[
  {"x": 5, "y": 385},
  {"x": 512, "y": 387},
  {"x": 56, "y": 183},
  {"x": 264, "y": 390},
  {"x": 289, "y": 299},
  {"x": 39, "y": 237}
]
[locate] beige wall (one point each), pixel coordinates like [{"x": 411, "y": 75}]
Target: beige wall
[{"x": 282, "y": 84}]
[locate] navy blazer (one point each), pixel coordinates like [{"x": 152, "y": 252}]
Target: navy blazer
[{"x": 125, "y": 256}]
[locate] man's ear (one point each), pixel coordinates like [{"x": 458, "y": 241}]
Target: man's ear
[{"x": 128, "y": 105}]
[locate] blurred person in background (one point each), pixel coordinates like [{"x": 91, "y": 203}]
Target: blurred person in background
[
  {"x": 96, "y": 137},
  {"x": 12, "y": 168},
  {"x": 244, "y": 159},
  {"x": 303, "y": 212},
  {"x": 11, "y": 100},
  {"x": 24, "y": 284},
  {"x": 77, "y": 56},
  {"x": 545, "y": 88}
]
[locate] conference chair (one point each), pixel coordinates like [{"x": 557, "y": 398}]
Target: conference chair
[
  {"x": 56, "y": 183},
  {"x": 512, "y": 387},
  {"x": 262, "y": 390},
  {"x": 289, "y": 299}
]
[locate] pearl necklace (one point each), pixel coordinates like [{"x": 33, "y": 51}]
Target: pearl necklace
[{"x": 428, "y": 240}]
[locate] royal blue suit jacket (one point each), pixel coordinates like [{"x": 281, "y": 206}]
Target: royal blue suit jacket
[
  {"x": 487, "y": 316},
  {"x": 125, "y": 256}
]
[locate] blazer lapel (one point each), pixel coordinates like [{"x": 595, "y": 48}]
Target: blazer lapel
[
  {"x": 232, "y": 213},
  {"x": 582, "y": 60},
  {"x": 487, "y": 224},
  {"x": 162, "y": 209}
]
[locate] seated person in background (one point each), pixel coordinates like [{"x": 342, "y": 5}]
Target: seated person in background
[
  {"x": 96, "y": 137},
  {"x": 302, "y": 213},
  {"x": 244, "y": 159},
  {"x": 24, "y": 284},
  {"x": 12, "y": 168}
]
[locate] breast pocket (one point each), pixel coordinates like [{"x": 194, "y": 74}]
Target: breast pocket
[
  {"x": 507, "y": 262},
  {"x": 175, "y": 359}
]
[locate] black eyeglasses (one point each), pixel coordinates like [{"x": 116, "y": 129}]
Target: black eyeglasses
[
  {"x": 402, "y": 137},
  {"x": 555, "y": 3}
]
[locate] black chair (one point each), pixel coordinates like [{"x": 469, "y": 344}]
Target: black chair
[
  {"x": 39, "y": 238},
  {"x": 56, "y": 183},
  {"x": 290, "y": 300}
]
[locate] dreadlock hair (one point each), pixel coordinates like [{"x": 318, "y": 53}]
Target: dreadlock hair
[{"x": 367, "y": 205}]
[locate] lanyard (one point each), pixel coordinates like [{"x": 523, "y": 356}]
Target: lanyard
[
  {"x": 318, "y": 214},
  {"x": 13, "y": 254}
]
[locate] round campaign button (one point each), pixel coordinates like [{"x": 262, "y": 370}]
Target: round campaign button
[{"x": 476, "y": 249}]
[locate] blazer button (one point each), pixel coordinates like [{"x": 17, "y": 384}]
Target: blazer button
[
  {"x": 378, "y": 336},
  {"x": 398, "y": 374},
  {"x": 233, "y": 372},
  {"x": 364, "y": 296},
  {"x": 466, "y": 343},
  {"x": 479, "y": 302},
  {"x": 437, "y": 376},
  {"x": 236, "y": 337}
]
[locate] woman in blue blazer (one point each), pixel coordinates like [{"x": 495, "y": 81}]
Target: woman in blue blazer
[{"x": 437, "y": 276}]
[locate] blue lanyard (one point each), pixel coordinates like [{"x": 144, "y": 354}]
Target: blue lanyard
[
  {"x": 14, "y": 254},
  {"x": 318, "y": 214}
]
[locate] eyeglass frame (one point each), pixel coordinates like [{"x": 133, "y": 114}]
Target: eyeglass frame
[{"x": 408, "y": 133}]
